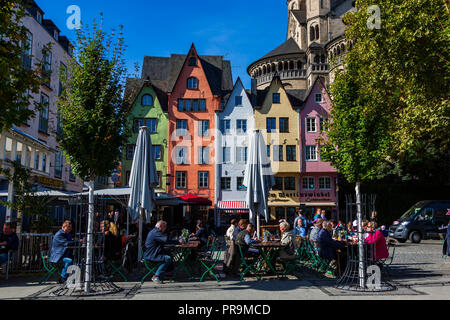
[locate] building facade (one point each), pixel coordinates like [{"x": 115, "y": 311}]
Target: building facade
[
  {"x": 149, "y": 108},
  {"x": 235, "y": 123},
  {"x": 276, "y": 115},
  {"x": 34, "y": 143},
  {"x": 195, "y": 86},
  {"x": 318, "y": 179}
]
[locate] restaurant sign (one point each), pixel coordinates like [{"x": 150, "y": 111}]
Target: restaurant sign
[
  {"x": 316, "y": 196},
  {"x": 49, "y": 182}
]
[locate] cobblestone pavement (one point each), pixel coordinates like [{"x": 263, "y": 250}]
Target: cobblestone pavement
[{"x": 418, "y": 272}]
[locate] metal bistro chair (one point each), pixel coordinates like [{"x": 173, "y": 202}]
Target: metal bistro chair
[
  {"x": 51, "y": 269},
  {"x": 248, "y": 265},
  {"x": 119, "y": 267},
  {"x": 151, "y": 267},
  {"x": 209, "y": 262}
]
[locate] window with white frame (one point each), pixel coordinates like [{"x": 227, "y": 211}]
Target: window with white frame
[
  {"x": 311, "y": 125},
  {"x": 277, "y": 153},
  {"x": 192, "y": 83},
  {"x": 308, "y": 183},
  {"x": 180, "y": 178},
  {"x": 325, "y": 183},
  {"x": 323, "y": 124},
  {"x": 241, "y": 126},
  {"x": 226, "y": 154},
  {"x": 241, "y": 155},
  {"x": 311, "y": 153},
  {"x": 203, "y": 180},
  {"x": 225, "y": 127},
  {"x": 318, "y": 98},
  {"x": 203, "y": 155},
  {"x": 182, "y": 128},
  {"x": 181, "y": 155},
  {"x": 225, "y": 183},
  {"x": 203, "y": 128}
]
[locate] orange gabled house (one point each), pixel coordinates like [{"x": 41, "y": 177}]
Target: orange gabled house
[{"x": 195, "y": 86}]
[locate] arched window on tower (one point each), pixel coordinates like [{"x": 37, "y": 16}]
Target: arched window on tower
[
  {"x": 316, "y": 59},
  {"x": 299, "y": 65},
  {"x": 286, "y": 66},
  {"x": 338, "y": 51},
  {"x": 291, "y": 65},
  {"x": 311, "y": 34},
  {"x": 317, "y": 33},
  {"x": 343, "y": 48},
  {"x": 280, "y": 66},
  {"x": 323, "y": 59},
  {"x": 264, "y": 70}
]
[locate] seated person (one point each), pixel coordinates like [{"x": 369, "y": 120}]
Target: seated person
[
  {"x": 154, "y": 250},
  {"x": 327, "y": 245},
  {"x": 287, "y": 241},
  {"x": 59, "y": 251},
  {"x": 111, "y": 243},
  {"x": 299, "y": 229},
  {"x": 244, "y": 240},
  {"x": 8, "y": 242},
  {"x": 315, "y": 230},
  {"x": 200, "y": 234},
  {"x": 376, "y": 237}
]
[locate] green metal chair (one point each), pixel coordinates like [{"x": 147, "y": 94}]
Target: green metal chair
[
  {"x": 151, "y": 267},
  {"x": 119, "y": 267},
  {"x": 248, "y": 265},
  {"x": 51, "y": 269},
  {"x": 210, "y": 262}
]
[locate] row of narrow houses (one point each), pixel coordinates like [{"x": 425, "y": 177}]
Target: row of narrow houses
[
  {"x": 201, "y": 123},
  {"x": 200, "y": 119}
]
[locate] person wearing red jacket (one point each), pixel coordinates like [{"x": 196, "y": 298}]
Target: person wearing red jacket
[{"x": 376, "y": 237}]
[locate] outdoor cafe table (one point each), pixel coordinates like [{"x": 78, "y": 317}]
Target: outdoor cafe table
[
  {"x": 182, "y": 253},
  {"x": 267, "y": 250}
]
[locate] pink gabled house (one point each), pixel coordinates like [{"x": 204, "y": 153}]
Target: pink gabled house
[{"x": 318, "y": 179}]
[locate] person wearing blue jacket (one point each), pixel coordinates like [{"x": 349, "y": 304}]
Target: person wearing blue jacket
[
  {"x": 59, "y": 251},
  {"x": 326, "y": 242},
  {"x": 154, "y": 250}
]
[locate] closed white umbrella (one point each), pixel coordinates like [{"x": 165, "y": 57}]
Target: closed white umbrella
[
  {"x": 258, "y": 179},
  {"x": 143, "y": 180}
]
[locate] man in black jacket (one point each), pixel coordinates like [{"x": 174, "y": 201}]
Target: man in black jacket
[{"x": 8, "y": 242}]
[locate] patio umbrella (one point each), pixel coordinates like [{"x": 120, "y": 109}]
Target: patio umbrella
[
  {"x": 143, "y": 180},
  {"x": 258, "y": 179}
]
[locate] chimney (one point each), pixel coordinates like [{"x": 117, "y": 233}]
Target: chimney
[{"x": 254, "y": 92}]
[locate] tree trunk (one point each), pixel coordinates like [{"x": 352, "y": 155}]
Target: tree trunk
[
  {"x": 90, "y": 240},
  {"x": 362, "y": 266}
]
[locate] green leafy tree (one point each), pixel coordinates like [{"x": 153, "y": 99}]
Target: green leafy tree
[
  {"x": 357, "y": 137},
  {"x": 93, "y": 112},
  {"x": 18, "y": 79},
  {"x": 25, "y": 200},
  {"x": 404, "y": 65}
]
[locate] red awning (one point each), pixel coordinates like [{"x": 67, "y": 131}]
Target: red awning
[
  {"x": 193, "y": 199},
  {"x": 233, "y": 206}
]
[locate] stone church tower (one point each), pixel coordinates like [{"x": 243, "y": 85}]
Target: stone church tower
[{"x": 315, "y": 35}]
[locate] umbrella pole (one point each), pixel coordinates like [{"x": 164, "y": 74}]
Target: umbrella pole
[
  {"x": 141, "y": 220},
  {"x": 258, "y": 221}
]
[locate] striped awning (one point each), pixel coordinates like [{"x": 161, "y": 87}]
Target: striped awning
[{"x": 233, "y": 206}]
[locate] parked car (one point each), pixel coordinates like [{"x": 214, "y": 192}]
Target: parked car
[{"x": 424, "y": 220}]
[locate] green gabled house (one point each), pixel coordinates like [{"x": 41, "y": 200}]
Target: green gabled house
[{"x": 148, "y": 108}]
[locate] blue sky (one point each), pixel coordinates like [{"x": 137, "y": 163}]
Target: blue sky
[{"x": 240, "y": 30}]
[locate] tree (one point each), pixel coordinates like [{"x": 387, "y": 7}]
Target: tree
[
  {"x": 357, "y": 137},
  {"x": 18, "y": 79},
  {"x": 25, "y": 199},
  {"x": 405, "y": 66},
  {"x": 93, "y": 112}
]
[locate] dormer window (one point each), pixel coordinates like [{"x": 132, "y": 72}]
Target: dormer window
[
  {"x": 192, "y": 83},
  {"x": 318, "y": 98},
  {"x": 193, "y": 62}
]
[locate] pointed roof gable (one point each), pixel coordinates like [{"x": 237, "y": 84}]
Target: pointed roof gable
[
  {"x": 295, "y": 96},
  {"x": 134, "y": 88},
  {"x": 229, "y": 94},
  {"x": 167, "y": 71}
]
